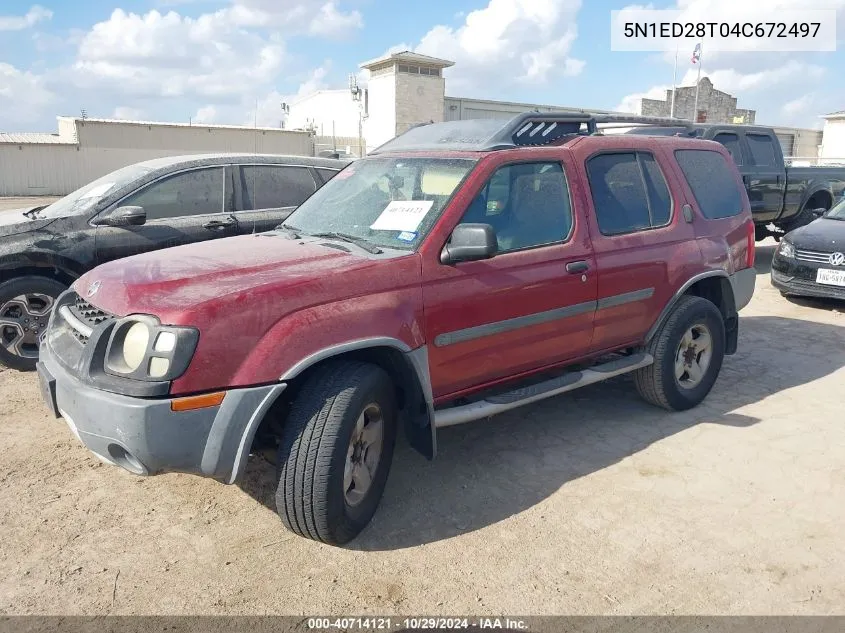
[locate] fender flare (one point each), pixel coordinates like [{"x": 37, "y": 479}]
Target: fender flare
[
  {"x": 667, "y": 309},
  {"x": 813, "y": 190}
]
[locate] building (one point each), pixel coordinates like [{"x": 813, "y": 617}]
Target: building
[
  {"x": 714, "y": 106},
  {"x": 85, "y": 149},
  {"x": 833, "y": 139}
]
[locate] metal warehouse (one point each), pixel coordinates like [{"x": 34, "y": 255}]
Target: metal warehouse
[{"x": 85, "y": 149}]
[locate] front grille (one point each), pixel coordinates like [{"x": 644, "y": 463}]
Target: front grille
[
  {"x": 88, "y": 314},
  {"x": 817, "y": 257}
]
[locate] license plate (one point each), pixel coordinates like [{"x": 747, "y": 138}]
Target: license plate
[{"x": 830, "y": 277}]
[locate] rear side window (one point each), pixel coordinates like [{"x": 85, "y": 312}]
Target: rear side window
[
  {"x": 712, "y": 182},
  {"x": 629, "y": 192},
  {"x": 274, "y": 187},
  {"x": 762, "y": 149},
  {"x": 731, "y": 142}
]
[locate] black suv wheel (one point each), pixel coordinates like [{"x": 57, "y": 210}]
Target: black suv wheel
[
  {"x": 25, "y": 305},
  {"x": 688, "y": 352},
  {"x": 335, "y": 451}
]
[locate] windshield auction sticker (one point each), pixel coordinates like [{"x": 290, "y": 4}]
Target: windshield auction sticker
[{"x": 402, "y": 215}]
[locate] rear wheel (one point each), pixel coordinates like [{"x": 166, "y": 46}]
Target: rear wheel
[
  {"x": 25, "y": 305},
  {"x": 335, "y": 451},
  {"x": 688, "y": 352}
]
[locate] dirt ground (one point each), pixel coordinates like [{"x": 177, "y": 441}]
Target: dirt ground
[{"x": 589, "y": 503}]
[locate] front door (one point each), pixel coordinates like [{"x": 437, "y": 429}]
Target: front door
[
  {"x": 528, "y": 307},
  {"x": 189, "y": 206}
]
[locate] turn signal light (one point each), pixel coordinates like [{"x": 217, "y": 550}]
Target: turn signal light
[{"x": 197, "y": 402}]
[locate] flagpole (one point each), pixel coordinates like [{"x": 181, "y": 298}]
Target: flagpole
[
  {"x": 674, "y": 83},
  {"x": 697, "y": 84}
]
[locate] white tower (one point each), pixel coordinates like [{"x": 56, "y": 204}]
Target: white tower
[{"x": 404, "y": 89}]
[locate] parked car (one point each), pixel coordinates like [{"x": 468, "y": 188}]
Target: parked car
[
  {"x": 139, "y": 208},
  {"x": 459, "y": 271},
  {"x": 810, "y": 261},
  {"x": 786, "y": 197}
]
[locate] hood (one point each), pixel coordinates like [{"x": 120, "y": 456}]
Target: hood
[
  {"x": 177, "y": 283},
  {"x": 820, "y": 235},
  {"x": 13, "y": 221}
]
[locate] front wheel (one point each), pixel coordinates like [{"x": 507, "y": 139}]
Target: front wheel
[
  {"x": 335, "y": 451},
  {"x": 688, "y": 352},
  {"x": 25, "y": 305}
]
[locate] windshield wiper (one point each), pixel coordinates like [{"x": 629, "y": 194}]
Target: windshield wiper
[
  {"x": 360, "y": 242},
  {"x": 290, "y": 230},
  {"x": 33, "y": 213}
]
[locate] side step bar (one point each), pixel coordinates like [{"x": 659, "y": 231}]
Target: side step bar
[{"x": 493, "y": 405}]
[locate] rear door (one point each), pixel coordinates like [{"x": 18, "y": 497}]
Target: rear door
[
  {"x": 642, "y": 241},
  {"x": 268, "y": 194},
  {"x": 188, "y": 206}
]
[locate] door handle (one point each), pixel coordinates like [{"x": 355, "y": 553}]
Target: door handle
[
  {"x": 218, "y": 224},
  {"x": 577, "y": 267}
]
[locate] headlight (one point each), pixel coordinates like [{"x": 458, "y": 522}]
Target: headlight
[
  {"x": 142, "y": 349},
  {"x": 786, "y": 249}
]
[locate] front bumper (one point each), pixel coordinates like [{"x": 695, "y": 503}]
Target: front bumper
[
  {"x": 145, "y": 437},
  {"x": 798, "y": 279}
]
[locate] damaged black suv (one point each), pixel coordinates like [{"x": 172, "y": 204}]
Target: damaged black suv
[{"x": 143, "y": 207}]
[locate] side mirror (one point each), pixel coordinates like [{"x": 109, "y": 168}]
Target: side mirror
[
  {"x": 127, "y": 216},
  {"x": 470, "y": 242}
]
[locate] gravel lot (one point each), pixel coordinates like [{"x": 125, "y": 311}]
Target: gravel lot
[{"x": 589, "y": 503}]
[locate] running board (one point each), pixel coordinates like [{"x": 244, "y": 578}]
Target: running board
[{"x": 493, "y": 405}]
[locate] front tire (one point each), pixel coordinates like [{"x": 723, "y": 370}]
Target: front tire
[
  {"x": 688, "y": 352},
  {"x": 25, "y": 306},
  {"x": 335, "y": 451}
]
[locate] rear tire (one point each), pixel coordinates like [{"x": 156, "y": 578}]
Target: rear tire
[
  {"x": 335, "y": 451},
  {"x": 25, "y": 306},
  {"x": 688, "y": 351}
]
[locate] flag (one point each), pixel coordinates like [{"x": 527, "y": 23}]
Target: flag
[{"x": 696, "y": 54}]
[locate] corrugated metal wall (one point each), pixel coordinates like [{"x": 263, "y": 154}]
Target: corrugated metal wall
[{"x": 41, "y": 169}]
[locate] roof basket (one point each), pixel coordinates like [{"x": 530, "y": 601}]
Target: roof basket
[{"x": 526, "y": 129}]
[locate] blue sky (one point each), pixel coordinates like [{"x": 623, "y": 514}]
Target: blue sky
[{"x": 213, "y": 60}]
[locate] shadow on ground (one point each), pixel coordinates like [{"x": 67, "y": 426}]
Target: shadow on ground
[{"x": 489, "y": 470}]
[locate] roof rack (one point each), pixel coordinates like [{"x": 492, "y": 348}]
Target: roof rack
[{"x": 526, "y": 129}]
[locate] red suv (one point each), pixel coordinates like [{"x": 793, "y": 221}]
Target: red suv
[{"x": 461, "y": 270}]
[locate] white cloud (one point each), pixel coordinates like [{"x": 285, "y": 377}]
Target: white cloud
[
  {"x": 128, "y": 114},
  {"x": 36, "y": 14},
  {"x": 631, "y": 103},
  {"x": 206, "y": 114},
  {"x": 515, "y": 41},
  {"x": 171, "y": 55},
  {"x": 23, "y": 95},
  {"x": 799, "y": 105},
  {"x": 323, "y": 19}
]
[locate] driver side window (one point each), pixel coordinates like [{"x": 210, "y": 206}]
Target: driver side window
[
  {"x": 196, "y": 192},
  {"x": 527, "y": 204}
]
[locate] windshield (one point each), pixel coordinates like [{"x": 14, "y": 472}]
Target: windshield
[
  {"x": 390, "y": 202},
  {"x": 86, "y": 197},
  {"x": 838, "y": 211}
]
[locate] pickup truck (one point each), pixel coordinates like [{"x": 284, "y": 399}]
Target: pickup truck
[
  {"x": 782, "y": 198},
  {"x": 462, "y": 270}
]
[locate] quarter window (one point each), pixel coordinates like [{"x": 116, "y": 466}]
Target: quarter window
[
  {"x": 712, "y": 181},
  {"x": 527, "y": 204},
  {"x": 629, "y": 192},
  {"x": 196, "y": 192}
]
